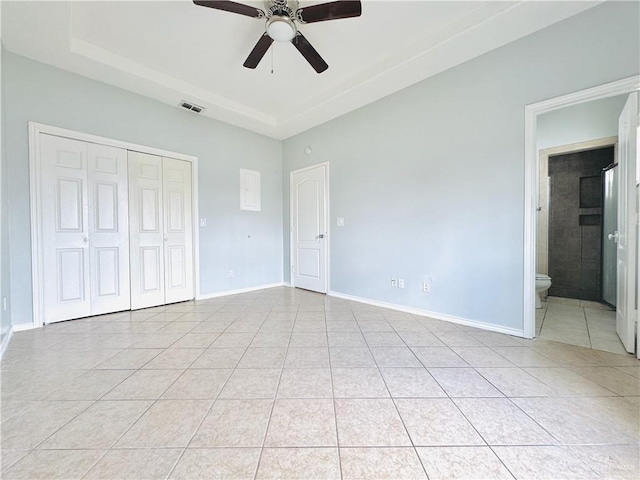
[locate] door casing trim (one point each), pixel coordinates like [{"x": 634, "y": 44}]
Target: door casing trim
[{"x": 531, "y": 182}]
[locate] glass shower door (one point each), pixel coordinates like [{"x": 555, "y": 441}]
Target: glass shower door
[{"x": 610, "y": 234}]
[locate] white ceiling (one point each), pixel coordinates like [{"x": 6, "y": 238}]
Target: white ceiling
[{"x": 175, "y": 50}]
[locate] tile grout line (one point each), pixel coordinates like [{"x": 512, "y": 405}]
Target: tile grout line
[
  {"x": 275, "y": 396},
  {"x": 393, "y": 402},
  {"x": 333, "y": 396}
]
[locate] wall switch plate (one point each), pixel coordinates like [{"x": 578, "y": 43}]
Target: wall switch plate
[
  {"x": 401, "y": 283},
  {"x": 230, "y": 273},
  {"x": 426, "y": 287},
  {"x": 340, "y": 221},
  {"x": 394, "y": 282},
  {"x": 203, "y": 222},
  {"x": 4, "y": 303}
]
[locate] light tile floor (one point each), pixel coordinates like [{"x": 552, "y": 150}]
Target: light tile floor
[
  {"x": 579, "y": 322},
  {"x": 283, "y": 383}
]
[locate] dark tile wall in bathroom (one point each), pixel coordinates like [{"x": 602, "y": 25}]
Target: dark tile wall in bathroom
[{"x": 575, "y": 223}]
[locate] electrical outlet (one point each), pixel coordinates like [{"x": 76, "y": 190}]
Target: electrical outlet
[
  {"x": 394, "y": 282},
  {"x": 426, "y": 287},
  {"x": 401, "y": 283},
  {"x": 230, "y": 273},
  {"x": 203, "y": 222}
]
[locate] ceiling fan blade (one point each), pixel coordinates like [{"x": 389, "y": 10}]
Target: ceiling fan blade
[
  {"x": 232, "y": 7},
  {"x": 309, "y": 53},
  {"x": 329, "y": 11},
  {"x": 258, "y": 51}
]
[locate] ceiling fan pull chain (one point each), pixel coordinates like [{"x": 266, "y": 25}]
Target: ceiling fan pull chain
[{"x": 272, "y": 59}]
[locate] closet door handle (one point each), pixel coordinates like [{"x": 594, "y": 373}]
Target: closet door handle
[
  {"x": 85, "y": 239},
  {"x": 166, "y": 239}
]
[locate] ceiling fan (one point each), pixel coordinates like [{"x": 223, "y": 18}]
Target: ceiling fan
[{"x": 281, "y": 17}]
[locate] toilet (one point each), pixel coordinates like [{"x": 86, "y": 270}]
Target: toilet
[{"x": 543, "y": 282}]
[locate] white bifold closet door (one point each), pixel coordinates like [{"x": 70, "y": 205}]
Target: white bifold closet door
[
  {"x": 85, "y": 254},
  {"x": 161, "y": 230}
]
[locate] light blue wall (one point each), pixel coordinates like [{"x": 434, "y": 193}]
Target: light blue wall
[
  {"x": 580, "y": 123},
  {"x": 5, "y": 279},
  {"x": 37, "y": 92},
  {"x": 430, "y": 180}
]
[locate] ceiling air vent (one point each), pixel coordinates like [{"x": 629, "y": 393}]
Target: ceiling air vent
[{"x": 191, "y": 106}]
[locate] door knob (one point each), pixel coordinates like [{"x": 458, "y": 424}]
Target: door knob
[
  {"x": 166, "y": 239},
  {"x": 85, "y": 239},
  {"x": 613, "y": 236},
  {"x": 321, "y": 235}
]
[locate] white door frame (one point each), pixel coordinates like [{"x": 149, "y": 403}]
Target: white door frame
[
  {"x": 327, "y": 221},
  {"x": 531, "y": 182},
  {"x": 35, "y": 129}
]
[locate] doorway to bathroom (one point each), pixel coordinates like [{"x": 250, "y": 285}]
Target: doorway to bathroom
[
  {"x": 576, "y": 247},
  {"x": 580, "y": 306}
]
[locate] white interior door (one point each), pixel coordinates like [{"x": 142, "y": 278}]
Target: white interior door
[
  {"x": 626, "y": 313},
  {"x": 64, "y": 224},
  {"x": 178, "y": 230},
  {"x": 108, "y": 229},
  {"x": 146, "y": 230},
  {"x": 309, "y": 228}
]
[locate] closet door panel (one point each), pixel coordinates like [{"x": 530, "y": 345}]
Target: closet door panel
[
  {"x": 109, "y": 229},
  {"x": 146, "y": 230},
  {"x": 178, "y": 230},
  {"x": 64, "y": 228}
]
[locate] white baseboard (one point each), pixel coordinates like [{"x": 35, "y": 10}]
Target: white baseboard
[
  {"x": 206, "y": 296},
  {"x": 438, "y": 316},
  {"x": 287, "y": 284},
  {"x": 21, "y": 327},
  {"x": 5, "y": 342}
]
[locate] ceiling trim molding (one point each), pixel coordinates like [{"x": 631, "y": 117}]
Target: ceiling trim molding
[{"x": 95, "y": 53}]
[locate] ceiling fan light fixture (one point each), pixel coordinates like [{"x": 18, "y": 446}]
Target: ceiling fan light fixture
[{"x": 281, "y": 28}]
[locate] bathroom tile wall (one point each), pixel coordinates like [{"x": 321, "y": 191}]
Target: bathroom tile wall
[{"x": 575, "y": 223}]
